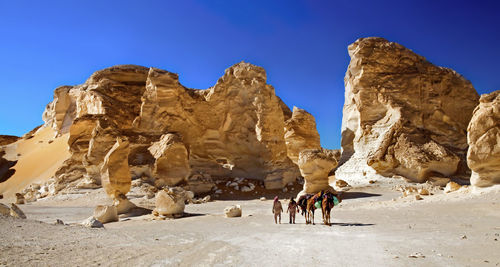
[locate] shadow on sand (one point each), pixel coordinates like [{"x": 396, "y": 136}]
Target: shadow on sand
[
  {"x": 351, "y": 195},
  {"x": 352, "y": 224}
]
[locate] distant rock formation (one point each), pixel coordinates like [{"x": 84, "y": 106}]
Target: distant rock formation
[
  {"x": 402, "y": 115},
  {"x": 300, "y": 133},
  {"x": 483, "y": 135},
  {"x": 179, "y": 136}
]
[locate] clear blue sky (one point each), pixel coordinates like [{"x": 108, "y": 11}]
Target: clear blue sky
[{"x": 301, "y": 44}]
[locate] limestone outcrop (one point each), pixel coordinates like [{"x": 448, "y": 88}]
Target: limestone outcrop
[
  {"x": 402, "y": 115},
  {"x": 300, "y": 133},
  {"x": 177, "y": 135},
  {"x": 115, "y": 175},
  {"x": 483, "y": 135},
  {"x": 315, "y": 166}
]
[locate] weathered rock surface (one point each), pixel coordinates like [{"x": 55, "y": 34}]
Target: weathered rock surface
[
  {"x": 106, "y": 214},
  {"x": 300, "y": 133},
  {"x": 92, "y": 222},
  {"x": 8, "y": 139},
  {"x": 402, "y": 115},
  {"x": 171, "y": 202},
  {"x": 172, "y": 163},
  {"x": 315, "y": 165},
  {"x": 233, "y": 211},
  {"x": 115, "y": 174},
  {"x": 4, "y": 210},
  {"x": 16, "y": 212},
  {"x": 451, "y": 187},
  {"x": 483, "y": 135},
  {"x": 176, "y": 135}
]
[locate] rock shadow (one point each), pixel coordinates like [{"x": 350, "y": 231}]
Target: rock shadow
[
  {"x": 351, "y": 195},
  {"x": 352, "y": 224}
]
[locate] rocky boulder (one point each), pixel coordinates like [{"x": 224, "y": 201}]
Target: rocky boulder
[
  {"x": 315, "y": 165},
  {"x": 483, "y": 135},
  {"x": 171, "y": 202},
  {"x": 106, "y": 214},
  {"x": 233, "y": 211},
  {"x": 402, "y": 114}
]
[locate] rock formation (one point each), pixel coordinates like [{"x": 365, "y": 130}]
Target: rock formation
[
  {"x": 106, "y": 214},
  {"x": 171, "y": 202},
  {"x": 115, "y": 175},
  {"x": 315, "y": 165},
  {"x": 402, "y": 115},
  {"x": 300, "y": 133},
  {"x": 233, "y": 211},
  {"x": 483, "y": 135},
  {"x": 177, "y": 135}
]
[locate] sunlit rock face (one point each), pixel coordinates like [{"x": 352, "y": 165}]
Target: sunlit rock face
[
  {"x": 301, "y": 133},
  {"x": 234, "y": 129},
  {"x": 315, "y": 166},
  {"x": 483, "y": 135},
  {"x": 402, "y": 114}
]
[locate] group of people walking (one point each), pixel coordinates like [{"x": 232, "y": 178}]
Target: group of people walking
[{"x": 292, "y": 209}]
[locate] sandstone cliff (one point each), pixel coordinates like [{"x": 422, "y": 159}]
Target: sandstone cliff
[
  {"x": 483, "y": 135},
  {"x": 402, "y": 115},
  {"x": 177, "y": 135}
]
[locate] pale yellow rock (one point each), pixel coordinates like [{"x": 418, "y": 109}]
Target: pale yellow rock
[
  {"x": 402, "y": 115},
  {"x": 423, "y": 192},
  {"x": 172, "y": 164},
  {"x": 123, "y": 205},
  {"x": 170, "y": 202},
  {"x": 418, "y": 197},
  {"x": 483, "y": 135},
  {"x": 20, "y": 199},
  {"x": 315, "y": 165},
  {"x": 233, "y": 211},
  {"x": 451, "y": 187},
  {"x": 341, "y": 183},
  {"x": 4, "y": 210},
  {"x": 115, "y": 173},
  {"x": 16, "y": 212},
  {"x": 236, "y": 128},
  {"x": 300, "y": 133},
  {"x": 106, "y": 214}
]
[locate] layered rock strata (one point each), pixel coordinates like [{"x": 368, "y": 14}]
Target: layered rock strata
[
  {"x": 483, "y": 135},
  {"x": 402, "y": 114},
  {"x": 177, "y": 135}
]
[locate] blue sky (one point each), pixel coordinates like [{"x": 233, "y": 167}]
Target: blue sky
[{"x": 301, "y": 44}]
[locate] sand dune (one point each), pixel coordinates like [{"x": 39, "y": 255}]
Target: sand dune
[{"x": 38, "y": 159}]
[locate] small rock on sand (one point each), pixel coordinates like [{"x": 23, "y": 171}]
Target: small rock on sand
[
  {"x": 92, "y": 222},
  {"x": 4, "y": 210},
  {"x": 263, "y": 199},
  {"x": 451, "y": 187},
  {"x": 233, "y": 211},
  {"x": 423, "y": 192},
  {"x": 16, "y": 212},
  {"x": 418, "y": 197},
  {"x": 106, "y": 214}
]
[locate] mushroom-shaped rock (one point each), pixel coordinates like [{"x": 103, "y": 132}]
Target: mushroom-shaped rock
[
  {"x": 483, "y": 136},
  {"x": 315, "y": 165},
  {"x": 115, "y": 175},
  {"x": 300, "y": 133},
  {"x": 172, "y": 163},
  {"x": 171, "y": 202},
  {"x": 402, "y": 115}
]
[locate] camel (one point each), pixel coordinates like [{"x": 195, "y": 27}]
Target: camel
[{"x": 327, "y": 205}]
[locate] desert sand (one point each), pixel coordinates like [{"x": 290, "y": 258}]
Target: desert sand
[{"x": 374, "y": 225}]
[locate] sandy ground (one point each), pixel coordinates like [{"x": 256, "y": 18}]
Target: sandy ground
[
  {"x": 370, "y": 228},
  {"x": 38, "y": 160}
]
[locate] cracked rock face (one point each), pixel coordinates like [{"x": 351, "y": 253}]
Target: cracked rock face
[
  {"x": 483, "y": 135},
  {"x": 402, "y": 115},
  {"x": 177, "y": 135}
]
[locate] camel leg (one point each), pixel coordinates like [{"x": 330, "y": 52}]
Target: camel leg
[{"x": 313, "y": 217}]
